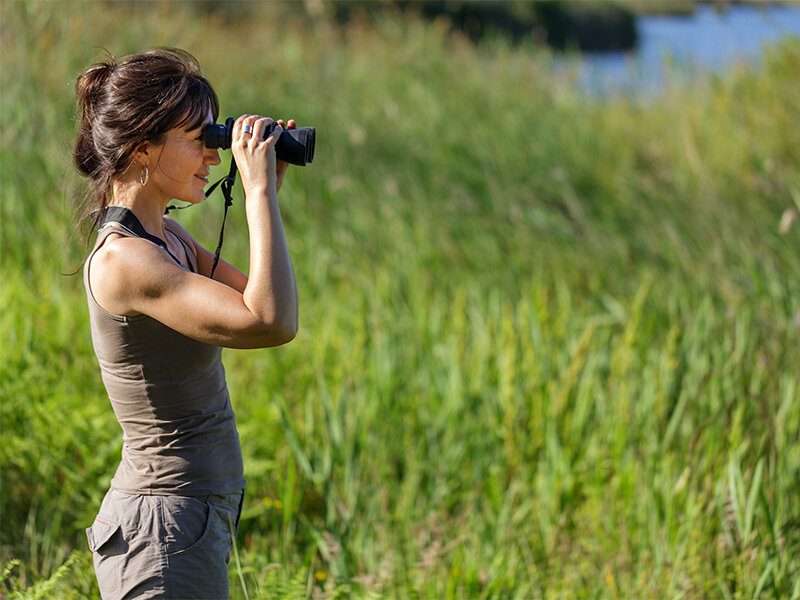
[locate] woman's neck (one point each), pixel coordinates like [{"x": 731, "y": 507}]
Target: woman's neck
[{"x": 148, "y": 209}]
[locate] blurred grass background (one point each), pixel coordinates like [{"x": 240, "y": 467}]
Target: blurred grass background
[{"x": 549, "y": 341}]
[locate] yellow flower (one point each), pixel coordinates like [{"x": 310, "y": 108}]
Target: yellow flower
[
  {"x": 320, "y": 576},
  {"x": 277, "y": 504},
  {"x": 267, "y": 502}
]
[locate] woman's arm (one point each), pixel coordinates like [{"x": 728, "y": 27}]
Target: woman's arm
[
  {"x": 131, "y": 276},
  {"x": 271, "y": 290}
]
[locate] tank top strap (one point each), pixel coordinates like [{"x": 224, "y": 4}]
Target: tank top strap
[
  {"x": 103, "y": 233},
  {"x": 128, "y": 225}
]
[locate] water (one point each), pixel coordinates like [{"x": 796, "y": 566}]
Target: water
[{"x": 705, "y": 41}]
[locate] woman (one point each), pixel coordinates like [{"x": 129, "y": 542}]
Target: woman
[{"x": 166, "y": 527}]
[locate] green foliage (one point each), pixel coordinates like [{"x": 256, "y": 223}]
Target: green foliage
[
  {"x": 58, "y": 585},
  {"x": 548, "y": 342}
]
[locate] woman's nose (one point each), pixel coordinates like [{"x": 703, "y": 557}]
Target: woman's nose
[{"x": 212, "y": 157}]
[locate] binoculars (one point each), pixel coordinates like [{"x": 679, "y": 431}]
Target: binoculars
[{"x": 295, "y": 146}]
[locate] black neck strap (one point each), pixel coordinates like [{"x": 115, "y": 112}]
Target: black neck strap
[
  {"x": 226, "y": 187},
  {"x": 130, "y": 223}
]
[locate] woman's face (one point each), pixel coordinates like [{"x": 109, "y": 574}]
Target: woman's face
[{"x": 181, "y": 164}]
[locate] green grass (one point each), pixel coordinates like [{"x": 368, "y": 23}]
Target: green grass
[{"x": 548, "y": 342}]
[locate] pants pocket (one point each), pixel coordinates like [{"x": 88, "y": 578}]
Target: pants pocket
[
  {"x": 127, "y": 555},
  {"x": 200, "y": 570},
  {"x": 101, "y": 534},
  {"x": 187, "y": 523},
  {"x": 107, "y": 544}
]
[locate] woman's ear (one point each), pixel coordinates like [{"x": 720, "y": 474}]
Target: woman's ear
[{"x": 143, "y": 153}]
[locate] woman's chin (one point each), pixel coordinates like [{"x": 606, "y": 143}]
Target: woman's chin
[{"x": 197, "y": 197}]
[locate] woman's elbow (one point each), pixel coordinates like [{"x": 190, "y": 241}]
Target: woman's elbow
[
  {"x": 287, "y": 333},
  {"x": 277, "y": 333}
]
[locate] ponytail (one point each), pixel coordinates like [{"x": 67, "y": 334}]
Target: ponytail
[{"x": 89, "y": 91}]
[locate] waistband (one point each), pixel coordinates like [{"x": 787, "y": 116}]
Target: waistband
[{"x": 231, "y": 501}]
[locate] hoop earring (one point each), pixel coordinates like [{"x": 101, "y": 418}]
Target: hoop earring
[{"x": 144, "y": 175}]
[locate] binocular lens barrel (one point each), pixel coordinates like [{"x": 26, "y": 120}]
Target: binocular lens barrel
[{"x": 295, "y": 146}]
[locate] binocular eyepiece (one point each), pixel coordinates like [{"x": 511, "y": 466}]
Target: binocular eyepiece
[{"x": 295, "y": 146}]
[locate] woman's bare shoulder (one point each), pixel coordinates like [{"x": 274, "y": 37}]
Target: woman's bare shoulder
[{"x": 124, "y": 267}]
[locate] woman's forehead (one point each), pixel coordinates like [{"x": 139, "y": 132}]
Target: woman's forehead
[
  {"x": 192, "y": 125},
  {"x": 195, "y": 119}
]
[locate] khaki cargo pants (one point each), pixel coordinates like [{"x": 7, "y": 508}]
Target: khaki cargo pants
[{"x": 172, "y": 547}]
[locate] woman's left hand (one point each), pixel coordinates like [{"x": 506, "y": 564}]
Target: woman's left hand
[{"x": 282, "y": 165}]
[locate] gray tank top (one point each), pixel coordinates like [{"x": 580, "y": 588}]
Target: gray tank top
[{"x": 169, "y": 394}]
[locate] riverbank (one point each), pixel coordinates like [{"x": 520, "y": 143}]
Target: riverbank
[
  {"x": 598, "y": 26},
  {"x": 689, "y": 47}
]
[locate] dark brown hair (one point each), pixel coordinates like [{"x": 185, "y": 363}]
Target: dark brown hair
[{"x": 123, "y": 103}]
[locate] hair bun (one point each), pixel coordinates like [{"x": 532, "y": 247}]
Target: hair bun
[{"x": 90, "y": 85}]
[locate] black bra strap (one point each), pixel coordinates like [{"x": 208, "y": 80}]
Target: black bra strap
[{"x": 130, "y": 223}]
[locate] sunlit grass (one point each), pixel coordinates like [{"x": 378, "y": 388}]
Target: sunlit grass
[{"x": 548, "y": 343}]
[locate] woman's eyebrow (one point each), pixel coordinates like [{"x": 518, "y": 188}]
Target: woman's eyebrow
[{"x": 198, "y": 129}]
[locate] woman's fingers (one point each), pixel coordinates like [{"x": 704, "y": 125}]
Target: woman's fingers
[
  {"x": 255, "y": 128},
  {"x": 261, "y": 127},
  {"x": 252, "y": 129},
  {"x": 239, "y": 124},
  {"x": 276, "y": 132},
  {"x": 266, "y": 130}
]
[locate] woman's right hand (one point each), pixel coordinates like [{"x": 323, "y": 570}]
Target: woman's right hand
[{"x": 254, "y": 152}]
